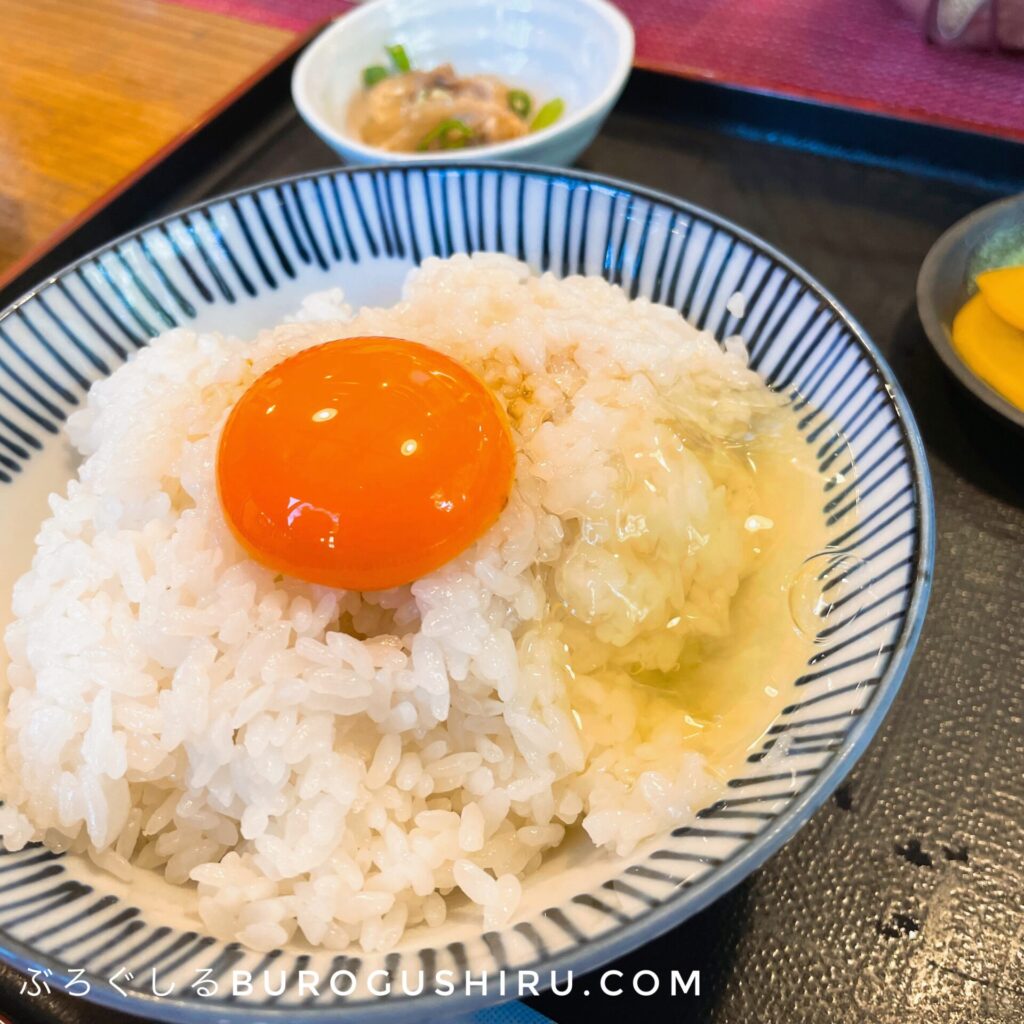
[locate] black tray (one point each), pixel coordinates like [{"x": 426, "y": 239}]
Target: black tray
[{"x": 903, "y": 899}]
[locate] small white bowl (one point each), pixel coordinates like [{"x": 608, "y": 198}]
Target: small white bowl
[{"x": 579, "y": 50}]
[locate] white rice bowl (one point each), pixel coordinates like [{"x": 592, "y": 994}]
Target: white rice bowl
[{"x": 333, "y": 765}]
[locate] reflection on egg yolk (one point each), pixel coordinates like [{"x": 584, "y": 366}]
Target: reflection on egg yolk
[{"x": 364, "y": 463}]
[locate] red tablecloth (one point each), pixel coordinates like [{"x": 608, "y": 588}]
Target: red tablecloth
[{"x": 861, "y": 53}]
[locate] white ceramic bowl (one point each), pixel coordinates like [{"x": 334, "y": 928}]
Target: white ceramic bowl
[
  {"x": 242, "y": 262},
  {"x": 579, "y": 50}
]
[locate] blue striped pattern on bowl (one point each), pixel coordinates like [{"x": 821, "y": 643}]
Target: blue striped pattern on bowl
[{"x": 243, "y": 261}]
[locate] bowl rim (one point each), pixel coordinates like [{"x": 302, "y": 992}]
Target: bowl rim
[
  {"x": 311, "y": 113},
  {"x": 936, "y": 331},
  {"x": 683, "y": 903}
]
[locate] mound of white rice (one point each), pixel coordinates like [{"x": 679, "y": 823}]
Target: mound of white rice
[{"x": 336, "y": 763}]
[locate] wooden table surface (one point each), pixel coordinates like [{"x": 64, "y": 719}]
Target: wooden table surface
[{"x": 89, "y": 89}]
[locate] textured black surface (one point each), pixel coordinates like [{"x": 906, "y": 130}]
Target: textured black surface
[{"x": 903, "y": 899}]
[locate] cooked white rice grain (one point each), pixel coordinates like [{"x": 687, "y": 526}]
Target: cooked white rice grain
[{"x": 330, "y": 763}]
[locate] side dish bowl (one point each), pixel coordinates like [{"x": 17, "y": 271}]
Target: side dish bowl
[
  {"x": 989, "y": 238},
  {"x": 578, "y": 50},
  {"x": 245, "y": 260}
]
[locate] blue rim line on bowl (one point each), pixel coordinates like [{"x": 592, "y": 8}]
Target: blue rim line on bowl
[{"x": 645, "y": 926}]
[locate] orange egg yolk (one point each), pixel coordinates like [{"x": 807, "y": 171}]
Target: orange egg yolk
[{"x": 364, "y": 463}]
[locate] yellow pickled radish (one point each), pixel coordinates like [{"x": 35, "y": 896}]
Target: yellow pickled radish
[
  {"x": 1004, "y": 292},
  {"x": 992, "y": 348}
]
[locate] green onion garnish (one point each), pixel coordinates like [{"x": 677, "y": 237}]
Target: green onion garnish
[
  {"x": 451, "y": 133},
  {"x": 399, "y": 57},
  {"x": 373, "y": 74},
  {"x": 548, "y": 115},
  {"x": 519, "y": 103}
]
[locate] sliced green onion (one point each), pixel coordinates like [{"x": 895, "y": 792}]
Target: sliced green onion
[
  {"x": 548, "y": 115},
  {"x": 519, "y": 103},
  {"x": 373, "y": 74},
  {"x": 451, "y": 133},
  {"x": 399, "y": 57}
]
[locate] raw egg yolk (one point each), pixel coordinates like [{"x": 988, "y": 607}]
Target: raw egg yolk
[{"x": 364, "y": 463}]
